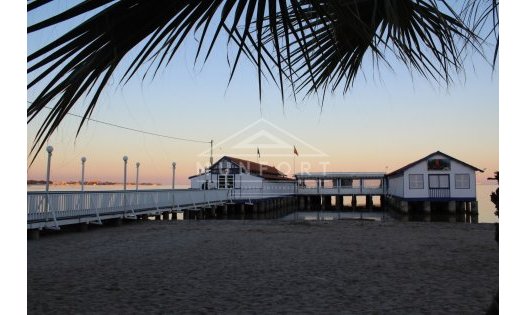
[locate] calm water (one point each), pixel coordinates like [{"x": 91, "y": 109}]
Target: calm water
[{"x": 486, "y": 207}]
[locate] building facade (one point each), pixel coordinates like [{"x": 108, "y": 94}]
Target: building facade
[
  {"x": 437, "y": 177},
  {"x": 244, "y": 179}
]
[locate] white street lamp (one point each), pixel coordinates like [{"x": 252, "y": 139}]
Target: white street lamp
[
  {"x": 173, "y": 185},
  {"x": 137, "y": 176},
  {"x": 49, "y": 149},
  {"x": 173, "y": 175},
  {"x": 83, "y": 160},
  {"x": 125, "y": 159}
]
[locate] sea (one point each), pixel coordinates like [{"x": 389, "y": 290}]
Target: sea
[{"x": 486, "y": 207}]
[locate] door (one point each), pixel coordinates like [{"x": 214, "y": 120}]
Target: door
[{"x": 439, "y": 186}]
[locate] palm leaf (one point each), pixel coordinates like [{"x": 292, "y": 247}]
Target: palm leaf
[{"x": 309, "y": 46}]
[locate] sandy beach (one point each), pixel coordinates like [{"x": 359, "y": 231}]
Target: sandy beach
[{"x": 262, "y": 267}]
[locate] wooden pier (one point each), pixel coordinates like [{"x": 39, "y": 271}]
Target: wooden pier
[{"x": 314, "y": 192}]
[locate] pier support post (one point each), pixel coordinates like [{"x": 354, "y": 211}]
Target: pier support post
[
  {"x": 166, "y": 216},
  {"x": 339, "y": 202},
  {"x": 452, "y": 206},
  {"x": 326, "y": 202},
  {"x": 213, "y": 211},
  {"x": 144, "y": 217},
  {"x": 369, "y": 202},
  {"x": 316, "y": 202},
  {"x": 427, "y": 206},
  {"x": 179, "y": 215},
  {"x": 474, "y": 207},
  {"x": 354, "y": 201},
  {"x": 157, "y": 217},
  {"x": 463, "y": 207},
  {"x": 404, "y": 206}
]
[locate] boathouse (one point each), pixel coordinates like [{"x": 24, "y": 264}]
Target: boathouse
[
  {"x": 245, "y": 179},
  {"x": 435, "y": 181}
]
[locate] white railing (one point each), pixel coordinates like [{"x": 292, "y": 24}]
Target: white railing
[
  {"x": 262, "y": 192},
  {"x": 61, "y": 205}
]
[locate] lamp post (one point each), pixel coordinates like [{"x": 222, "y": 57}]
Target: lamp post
[
  {"x": 137, "y": 177},
  {"x": 173, "y": 185},
  {"x": 83, "y": 160},
  {"x": 49, "y": 150},
  {"x": 125, "y": 159},
  {"x": 173, "y": 175}
]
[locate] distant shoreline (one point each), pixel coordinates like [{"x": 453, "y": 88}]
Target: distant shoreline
[{"x": 43, "y": 182}]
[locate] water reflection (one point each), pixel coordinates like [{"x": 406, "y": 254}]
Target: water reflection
[
  {"x": 375, "y": 214},
  {"x": 417, "y": 216}
]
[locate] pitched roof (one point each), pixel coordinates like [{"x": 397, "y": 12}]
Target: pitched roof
[
  {"x": 265, "y": 171},
  {"x": 402, "y": 169},
  {"x": 257, "y": 169}
]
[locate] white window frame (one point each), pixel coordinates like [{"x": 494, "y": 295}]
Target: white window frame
[
  {"x": 412, "y": 181},
  {"x": 459, "y": 180},
  {"x": 440, "y": 182}
]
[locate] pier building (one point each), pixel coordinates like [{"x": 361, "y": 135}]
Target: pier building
[
  {"x": 436, "y": 180},
  {"x": 244, "y": 179}
]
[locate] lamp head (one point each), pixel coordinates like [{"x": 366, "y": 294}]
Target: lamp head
[
  {"x": 49, "y": 149},
  {"x": 83, "y": 159},
  {"x": 125, "y": 158}
]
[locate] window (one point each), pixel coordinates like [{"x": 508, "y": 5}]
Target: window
[
  {"x": 230, "y": 181},
  {"x": 438, "y": 181},
  {"x": 438, "y": 165},
  {"x": 225, "y": 181},
  {"x": 462, "y": 181},
  {"x": 416, "y": 181}
]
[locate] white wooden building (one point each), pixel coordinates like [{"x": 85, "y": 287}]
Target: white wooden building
[
  {"x": 245, "y": 179},
  {"x": 437, "y": 177}
]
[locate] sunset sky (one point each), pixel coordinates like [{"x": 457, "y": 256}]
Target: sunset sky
[{"x": 389, "y": 118}]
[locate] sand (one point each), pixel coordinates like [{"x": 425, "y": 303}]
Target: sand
[{"x": 263, "y": 267}]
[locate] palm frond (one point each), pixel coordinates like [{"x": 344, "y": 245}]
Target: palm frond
[{"x": 309, "y": 46}]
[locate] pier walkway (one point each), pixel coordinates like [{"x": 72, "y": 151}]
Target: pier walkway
[
  {"x": 53, "y": 209},
  {"x": 344, "y": 184}
]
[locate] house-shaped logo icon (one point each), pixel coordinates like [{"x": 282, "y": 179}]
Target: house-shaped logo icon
[{"x": 263, "y": 138}]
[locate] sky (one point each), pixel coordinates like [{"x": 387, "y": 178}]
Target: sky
[{"x": 391, "y": 117}]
